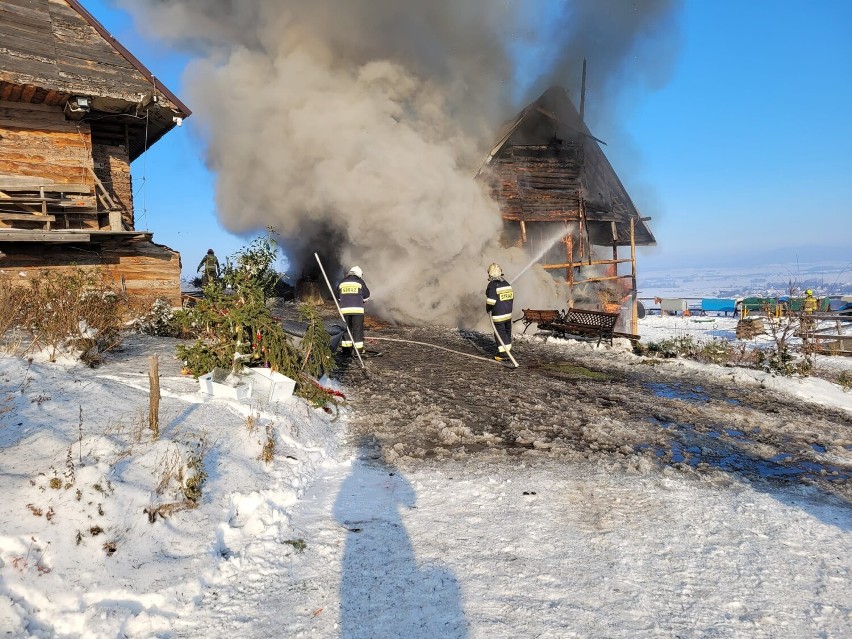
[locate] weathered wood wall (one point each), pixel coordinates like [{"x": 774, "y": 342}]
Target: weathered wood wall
[
  {"x": 533, "y": 185},
  {"x": 148, "y": 270},
  {"x": 36, "y": 140},
  {"x": 46, "y": 43},
  {"x": 112, "y": 166}
]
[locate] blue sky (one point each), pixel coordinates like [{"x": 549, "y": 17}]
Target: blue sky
[{"x": 747, "y": 148}]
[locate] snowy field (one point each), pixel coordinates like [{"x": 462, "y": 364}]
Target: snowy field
[{"x": 327, "y": 540}]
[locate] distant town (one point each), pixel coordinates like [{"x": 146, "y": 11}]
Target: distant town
[{"x": 826, "y": 279}]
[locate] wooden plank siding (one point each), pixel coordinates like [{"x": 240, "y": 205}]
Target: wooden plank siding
[
  {"x": 112, "y": 166},
  {"x": 531, "y": 186},
  {"x": 148, "y": 270},
  {"x": 36, "y": 140}
]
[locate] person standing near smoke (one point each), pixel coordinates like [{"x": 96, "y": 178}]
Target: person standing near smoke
[
  {"x": 352, "y": 292},
  {"x": 499, "y": 298},
  {"x": 211, "y": 268}
]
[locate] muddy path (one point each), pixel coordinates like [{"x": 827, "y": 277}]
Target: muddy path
[{"x": 573, "y": 402}]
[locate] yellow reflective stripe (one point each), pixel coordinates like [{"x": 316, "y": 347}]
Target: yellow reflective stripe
[
  {"x": 346, "y": 343},
  {"x": 350, "y": 288},
  {"x": 352, "y": 310},
  {"x": 500, "y": 289},
  {"x": 488, "y": 300},
  {"x": 359, "y": 345},
  {"x": 501, "y": 318}
]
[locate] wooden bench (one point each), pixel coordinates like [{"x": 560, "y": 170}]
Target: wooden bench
[
  {"x": 539, "y": 317},
  {"x": 578, "y": 321}
]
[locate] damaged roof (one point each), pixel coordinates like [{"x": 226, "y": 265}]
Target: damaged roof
[
  {"x": 54, "y": 50},
  {"x": 546, "y": 163}
]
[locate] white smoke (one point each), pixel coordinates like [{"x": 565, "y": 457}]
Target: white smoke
[{"x": 354, "y": 128}]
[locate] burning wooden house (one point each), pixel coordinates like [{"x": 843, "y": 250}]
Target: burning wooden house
[
  {"x": 561, "y": 200},
  {"x": 76, "y": 108}
]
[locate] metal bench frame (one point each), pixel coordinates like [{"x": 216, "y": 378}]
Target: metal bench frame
[
  {"x": 574, "y": 321},
  {"x": 539, "y": 317}
]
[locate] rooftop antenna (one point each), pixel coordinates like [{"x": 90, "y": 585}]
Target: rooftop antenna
[{"x": 583, "y": 94}]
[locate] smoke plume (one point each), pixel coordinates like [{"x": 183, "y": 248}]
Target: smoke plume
[{"x": 354, "y": 127}]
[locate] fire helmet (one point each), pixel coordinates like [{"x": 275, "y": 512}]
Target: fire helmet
[
  {"x": 809, "y": 292},
  {"x": 495, "y": 271},
  {"x": 209, "y": 251},
  {"x": 356, "y": 271}
]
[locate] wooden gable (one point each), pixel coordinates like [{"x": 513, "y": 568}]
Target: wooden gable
[
  {"x": 52, "y": 50},
  {"x": 548, "y": 167}
]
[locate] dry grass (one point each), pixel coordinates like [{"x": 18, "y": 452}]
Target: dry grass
[
  {"x": 12, "y": 306},
  {"x": 267, "y": 454},
  {"x": 79, "y": 311},
  {"x": 170, "y": 470},
  {"x": 251, "y": 422},
  {"x": 133, "y": 432}
]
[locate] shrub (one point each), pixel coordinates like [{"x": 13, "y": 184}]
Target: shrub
[
  {"x": 183, "y": 472},
  {"x": 234, "y": 326},
  {"x": 80, "y": 310},
  {"x": 196, "y": 473},
  {"x": 716, "y": 352},
  {"x": 317, "y": 356},
  {"x": 12, "y": 306},
  {"x": 776, "y": 360},
  {"x": 159, "y": 320},
  {"x": 255, "y": 264},
  {"x": 684, "y": 346}
]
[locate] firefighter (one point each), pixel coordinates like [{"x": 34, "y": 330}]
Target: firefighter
[
  {"x": 809, "y": 305},
  {"x": 352, "y": 292},
  {"x": 211, "y": 268},
  {"x": 498, "y": 303}
]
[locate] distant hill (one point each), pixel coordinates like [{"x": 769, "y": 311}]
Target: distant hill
[
  {"x": 789, "y": 257},
  {"x": 774, "y": 272}
]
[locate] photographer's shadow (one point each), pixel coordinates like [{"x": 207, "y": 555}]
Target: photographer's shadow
[{"x": 383, "y": 591}]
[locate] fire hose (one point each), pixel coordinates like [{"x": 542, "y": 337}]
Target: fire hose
[{"x": 449, "y": 350}]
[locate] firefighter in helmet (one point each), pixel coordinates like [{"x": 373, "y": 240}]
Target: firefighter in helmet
[
  {"x": 809, "y": 305},
  {"x": 211, "y": 268},
  {"x": 498, "y": 303},
  {"x": 352, "y": 292}
]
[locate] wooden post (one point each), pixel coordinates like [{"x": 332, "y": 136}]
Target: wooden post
[
  {"x": 154, "y": 399},
  {"x": 523, "y": 233},
  {"x": 634, "y": 319},
  {"x": 570, "y": 249}
]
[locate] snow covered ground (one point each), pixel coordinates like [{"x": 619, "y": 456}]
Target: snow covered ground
[{"x": 327, "y": 540}]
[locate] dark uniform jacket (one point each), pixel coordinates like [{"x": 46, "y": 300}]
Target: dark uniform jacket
[
  {"x": 352, "y": 292},
  {"x": 498, "y": 300}
]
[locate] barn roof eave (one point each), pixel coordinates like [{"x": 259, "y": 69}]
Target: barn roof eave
[{"x": 125, "y": 53}]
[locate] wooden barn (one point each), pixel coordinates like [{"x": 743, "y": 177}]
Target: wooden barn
[
  {"x": 76, "y": 108},
  {"x": 561, "y": 200}
]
